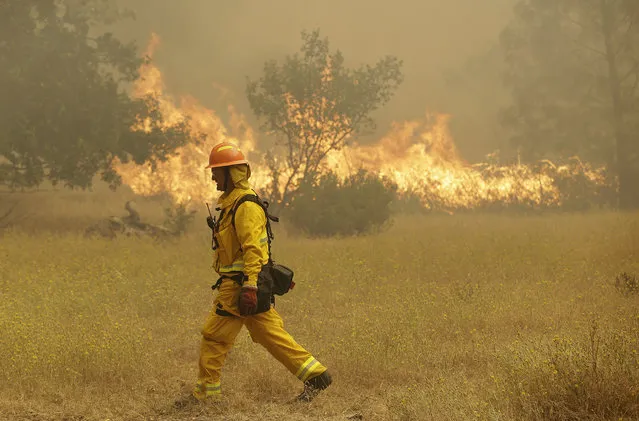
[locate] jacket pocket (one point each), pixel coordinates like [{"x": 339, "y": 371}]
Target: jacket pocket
[{"x": 228, "y": 246}]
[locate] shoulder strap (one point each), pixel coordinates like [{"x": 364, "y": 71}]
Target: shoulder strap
[
  {"x": 264, "y": 205},
  {"x": 248, "y": 197}
]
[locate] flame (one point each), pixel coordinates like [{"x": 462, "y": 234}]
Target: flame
[
  {"x": 419, "y": 156},
  {"x": 183, "y": 175}
]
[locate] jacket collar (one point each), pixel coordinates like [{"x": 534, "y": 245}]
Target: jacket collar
[{"x": 227, "y": 200}]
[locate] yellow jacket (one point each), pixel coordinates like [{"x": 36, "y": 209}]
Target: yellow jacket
[{"x": 246, "y": 250}]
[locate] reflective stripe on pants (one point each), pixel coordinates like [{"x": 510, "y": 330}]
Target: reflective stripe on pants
[{"x": 207, "y": 390}]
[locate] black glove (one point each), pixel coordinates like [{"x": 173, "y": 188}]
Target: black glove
[{"x": 210, "y": 222}]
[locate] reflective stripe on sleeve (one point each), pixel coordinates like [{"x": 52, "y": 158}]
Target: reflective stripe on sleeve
[{"x": 237, "y": 266}]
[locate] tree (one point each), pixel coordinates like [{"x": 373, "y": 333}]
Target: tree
[
  {"x": 574, "y": 71},
  {"x": 314, "y": 104},
  {"x": 65, "y": 114}
]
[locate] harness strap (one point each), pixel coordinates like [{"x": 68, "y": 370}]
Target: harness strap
[
  {"x": 223, "y": 313},
  {"x": 264, "y": 205}
]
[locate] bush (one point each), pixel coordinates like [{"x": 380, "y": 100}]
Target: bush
[
  {"x": 627, "y": 284},
  {"x": 592, "y": 377},
  {"x": 359, "y": 204}
]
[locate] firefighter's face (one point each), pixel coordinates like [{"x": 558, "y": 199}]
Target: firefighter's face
[{"x": 219, "y": 176}]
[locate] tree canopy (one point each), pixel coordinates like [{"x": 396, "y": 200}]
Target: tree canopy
[{"x": 65, "y": 113}]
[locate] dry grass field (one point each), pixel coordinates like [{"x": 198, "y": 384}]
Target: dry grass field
[{"x": 469, "y": 317}]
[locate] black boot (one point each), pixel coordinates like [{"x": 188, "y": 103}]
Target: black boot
[{"x": 314, "y": 386}]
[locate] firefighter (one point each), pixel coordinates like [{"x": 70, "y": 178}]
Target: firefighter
[{"x": 241, "y": 249}]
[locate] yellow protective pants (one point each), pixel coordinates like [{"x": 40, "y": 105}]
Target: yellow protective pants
[{"x": 267, "y": 329}]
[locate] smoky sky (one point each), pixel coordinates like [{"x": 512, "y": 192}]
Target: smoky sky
[{"x": 204, "y": 43}]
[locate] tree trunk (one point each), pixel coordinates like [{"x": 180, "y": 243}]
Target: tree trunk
[
  {"x": 629, "y": 180},
  {"x": 625, "y": 163}
]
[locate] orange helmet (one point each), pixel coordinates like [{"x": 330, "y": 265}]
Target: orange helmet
[{"x": 226, "y": 154}]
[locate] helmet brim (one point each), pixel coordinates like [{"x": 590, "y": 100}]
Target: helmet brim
[{"x": 227, "y": 164}]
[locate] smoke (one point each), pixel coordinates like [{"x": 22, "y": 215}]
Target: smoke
[{"x": 211, "y": 44}]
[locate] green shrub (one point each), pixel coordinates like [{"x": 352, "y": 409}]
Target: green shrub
[{"x": 359, "y": 204}]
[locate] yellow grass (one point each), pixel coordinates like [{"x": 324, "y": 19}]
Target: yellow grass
[{"x": 442, "y": 318}]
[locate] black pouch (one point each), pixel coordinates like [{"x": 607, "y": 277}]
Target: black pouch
[
  {"x": 282, "y": 279},
  {"x": 273, "y": 279}
]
